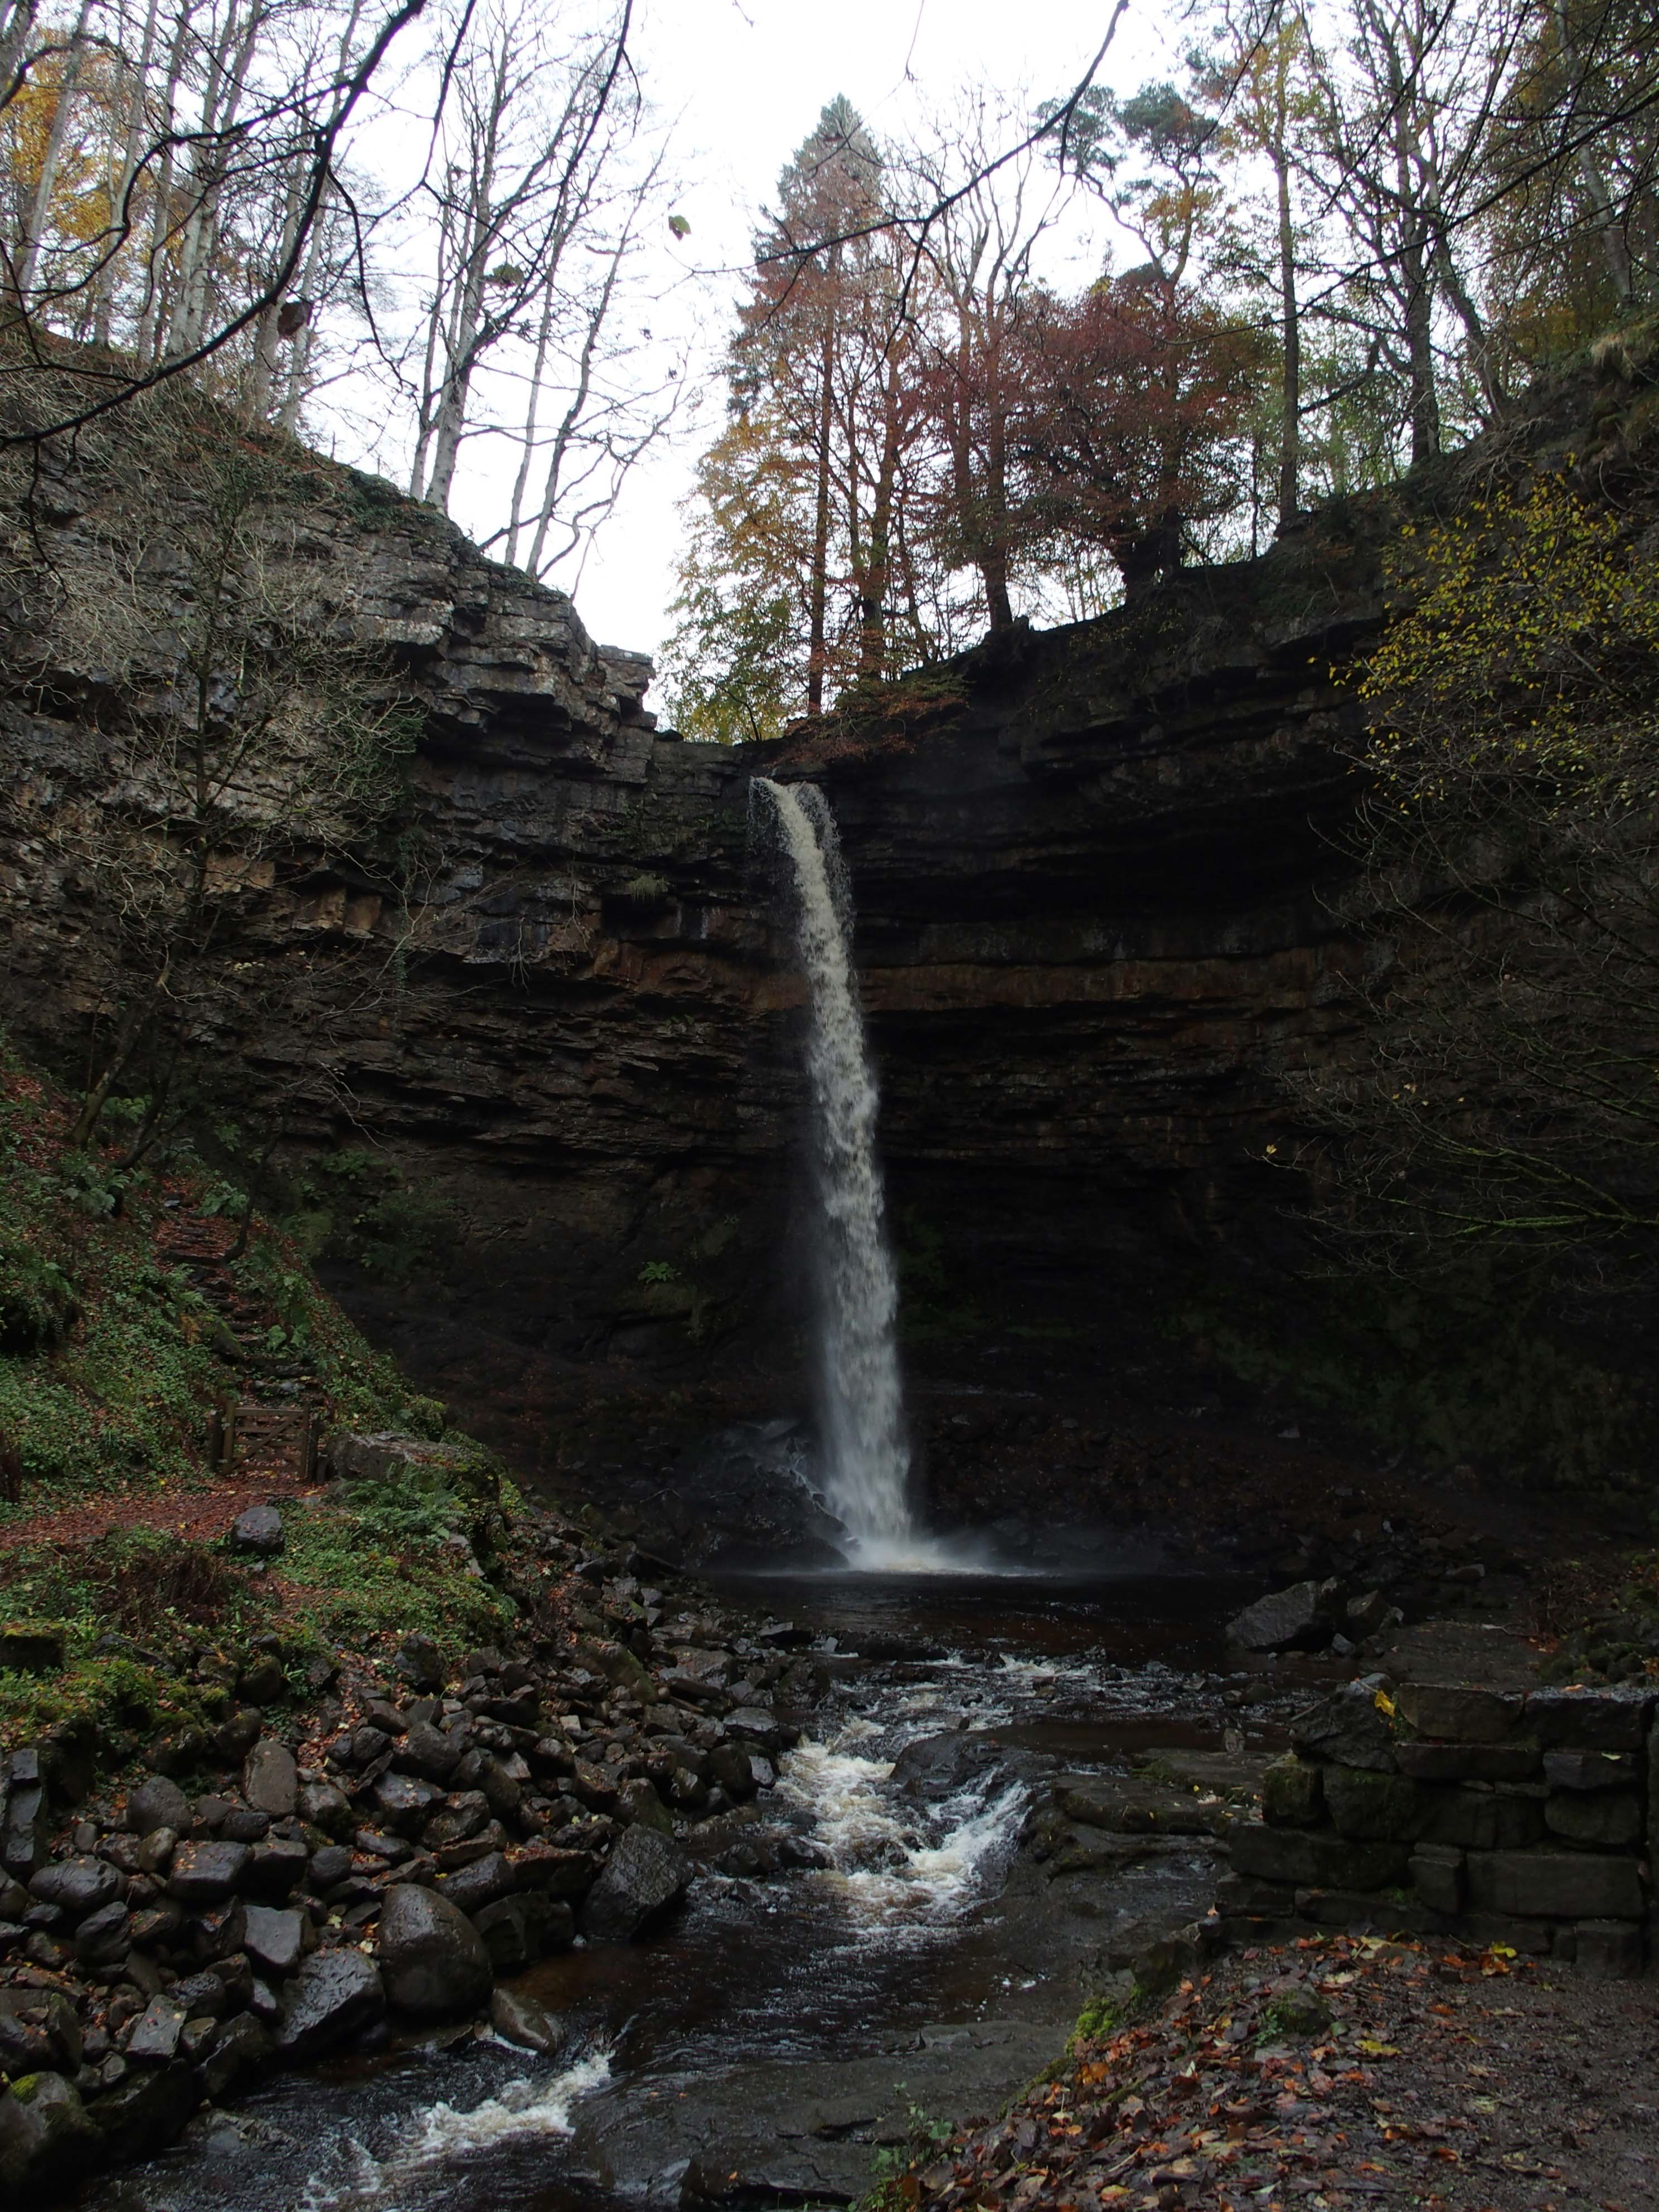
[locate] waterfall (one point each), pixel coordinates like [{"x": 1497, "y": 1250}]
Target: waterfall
[{"x": 861, "y": 1408}]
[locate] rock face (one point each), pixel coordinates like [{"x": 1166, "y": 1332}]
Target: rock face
[{"x": 1090, "y": 931}]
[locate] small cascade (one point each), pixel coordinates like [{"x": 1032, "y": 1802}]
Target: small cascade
[{"x": 861, "y": 1408}]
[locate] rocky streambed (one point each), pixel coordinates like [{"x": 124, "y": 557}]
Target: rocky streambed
[{"x": 1005, "y": 1790}]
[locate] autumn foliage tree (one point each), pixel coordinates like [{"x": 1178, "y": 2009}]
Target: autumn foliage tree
[{"x": 1131, "y": 398}]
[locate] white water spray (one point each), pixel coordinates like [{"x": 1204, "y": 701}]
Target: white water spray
[{"x": 862, "y": 1410}]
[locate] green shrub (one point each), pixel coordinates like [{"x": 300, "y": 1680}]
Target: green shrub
[
  {"x": 37, "y": 1301},
  {"x": 1454, "y": 1368}
]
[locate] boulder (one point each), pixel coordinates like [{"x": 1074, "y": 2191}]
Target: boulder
[
  {"x": 519, "y": 2020},
  {"x": 322, "y": 1806},
  {"x": 336, "y": 1994},
  {"x": 146, "y": 2110},
  {"x": 218, "y": 1931},
  {"x": 615, "y": 1663},
  {"x": 1519, "y": 1761},
  {"x": 206, "y": 1872},
  {"x": 1457, "y": 1712},
  {"x": 330, "y": 1863},
  {"x": 488, "y": 1878},
  {"x": 1481, "y": 1821},
  {"x": 936, "y": 1766},
  {"x": 1293, "y": 1793},
  {"x": 387, "y": 1457},
  {"x": 420, "y": 1661},
  {"x": 1556, "y": 1885},
  {"x": 154, "y": 2037},
  {"x": 202, "y": 1997},
  {"x": 433, "y": 1959},
  {"x": 519, "y": 1929},
  {"x": 403, "y": 1802},
  {"x": 47, "y": 2140},
  {"x": 1348, "y": 1728},
  {"x": 271, "y": 1779},
  {"x": 31, "y": 1648},
  {"x": 1315, "y": 1861},
  {"x": 1300, "y": 1618},
  {"x": 759, "y": 1724},
  {"x": 25, "y": 1818},
  {"x": 556, "y": 1873},
  {"x": 429, "y": 1752},
  {"x": 275, "y": 1940},
  {"x": 79, "y": 1885},
  {"x": 1610, "y": 1820},
  {"x": 259, "y": 1531},
  {"x": 1591, "y": 1770},
  {"x": 1375, "y": 1808},
  {"x": 275, "y": 1868},
  {"x": 1609, "y": 1946},
  {"x": 157, "y": 1803},
  {"x": 1614, "y": 1719},
  {"x": 105, "y": 1935},
  {"x": 644, "y": 1876},
  {"x": 241, "y": 2044},
  {"x": 1438, "y": 1877}
]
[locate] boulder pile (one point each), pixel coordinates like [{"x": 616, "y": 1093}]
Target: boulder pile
[{"x": 380, "y": 1852}]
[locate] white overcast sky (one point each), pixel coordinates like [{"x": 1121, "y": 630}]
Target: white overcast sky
[{"x": 742, "y": 83}]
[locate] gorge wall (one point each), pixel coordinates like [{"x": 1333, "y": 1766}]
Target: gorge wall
[{"x": 1092, "y": 868}]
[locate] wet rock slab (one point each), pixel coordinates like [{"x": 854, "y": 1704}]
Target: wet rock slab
[{"x": 807, "y": 2132}]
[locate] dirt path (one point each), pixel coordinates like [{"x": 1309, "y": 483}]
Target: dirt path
[
  {"x": 1343, "y": 2072},
  {"x": 202, "y": 1515}
]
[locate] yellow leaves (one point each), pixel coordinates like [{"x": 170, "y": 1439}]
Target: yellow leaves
[
  {"x": 1382, "y": 1701},
  {"x": 1372, "y": 2049},
  {"x": 1530, "y": 637}
]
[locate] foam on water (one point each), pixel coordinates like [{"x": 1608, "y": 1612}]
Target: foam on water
[
  {"x": 892, "y": 1864},
  {"x": 533, "y": 2106}
]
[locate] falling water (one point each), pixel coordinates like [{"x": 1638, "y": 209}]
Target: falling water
[{"x": 867, "y": 1462}]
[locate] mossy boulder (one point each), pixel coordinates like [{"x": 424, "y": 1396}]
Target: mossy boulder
[{"x": 455, "y": 1464}]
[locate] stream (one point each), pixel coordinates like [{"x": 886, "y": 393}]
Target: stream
[{"x": 914, "y": 1961}]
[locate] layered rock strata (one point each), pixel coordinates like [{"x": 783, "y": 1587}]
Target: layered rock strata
[{"x": 1090, "y": 882}]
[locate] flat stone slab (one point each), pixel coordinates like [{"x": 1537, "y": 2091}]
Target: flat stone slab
[
  {"x": 1471, "y": 1651},
  {"x": 808, "y": 2132}
]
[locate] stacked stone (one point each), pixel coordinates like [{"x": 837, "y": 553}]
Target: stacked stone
[{"x": 1498, "y": 1815}]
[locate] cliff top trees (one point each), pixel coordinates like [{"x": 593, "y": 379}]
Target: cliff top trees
[{"x": 922, "y": 434}]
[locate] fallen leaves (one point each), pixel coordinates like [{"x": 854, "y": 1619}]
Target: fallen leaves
[{"x": 1216, "y": 2102}]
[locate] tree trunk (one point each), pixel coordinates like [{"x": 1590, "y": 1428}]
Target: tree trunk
[
  {"x": 40, "y": 211},
  {"x": 1290, "y": 436},
  {"x": 1615, "y": 245},
  {"x": 818, "y": 584},
  {"x": 872, "y": 598},
  {"x": 104, "y": 300}
]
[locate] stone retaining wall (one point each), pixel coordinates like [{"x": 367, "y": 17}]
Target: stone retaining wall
[{"x": 1504, "y": 1815}]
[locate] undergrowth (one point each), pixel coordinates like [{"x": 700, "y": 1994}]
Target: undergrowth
[
  {"x": 1451, "y": 1369},
  {"x": 110, "y": 1360},
  {"x": 111, "y": 1364}
]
